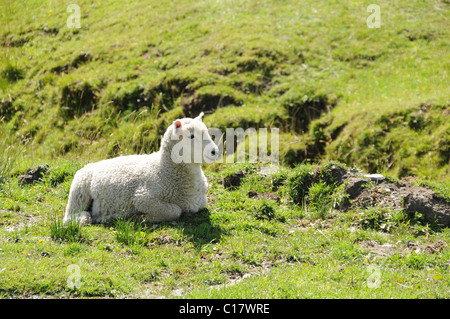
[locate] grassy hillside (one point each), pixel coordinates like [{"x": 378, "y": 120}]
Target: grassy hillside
[{"x": 372, "y": 97}]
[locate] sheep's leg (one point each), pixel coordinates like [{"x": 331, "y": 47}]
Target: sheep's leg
[
  {"x": 79, "y": 200},
  {"x": 82, "y": 218},
  {"x": 154, "y": 210}
]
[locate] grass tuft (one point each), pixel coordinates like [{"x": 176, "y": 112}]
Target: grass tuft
[
  {"x": 130, "y": 233},
  {"x": 71, "y": 232}
]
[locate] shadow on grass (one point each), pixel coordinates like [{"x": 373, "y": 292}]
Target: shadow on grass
[
  {"x": 196, "y": 228},
  {"x": 199, "y": 229}
]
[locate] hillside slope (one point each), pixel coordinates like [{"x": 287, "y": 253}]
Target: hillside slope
[{"x": 376, "y": 98}]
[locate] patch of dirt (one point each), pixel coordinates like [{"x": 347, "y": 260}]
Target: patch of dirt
[
  {"x": 370, "y": 190},
  {"x": 381, "y": 250},
  {"x": 271, "y": 196},
  {"x": 399, "y": 196},
  {"x": 386, "y": 249},
  {"x": 164, "y": 239},
  {"x": 436, "y": 247},
  {"x": 23, "y": 220},
  {"x": 233, "y": 279}
]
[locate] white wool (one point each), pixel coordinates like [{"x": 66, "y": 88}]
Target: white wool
[{"x": 152, "y": 186}]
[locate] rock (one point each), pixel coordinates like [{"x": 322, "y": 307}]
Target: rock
[
  {"x": 375, "y": 177},
  {"x": 33, "y": 175}
]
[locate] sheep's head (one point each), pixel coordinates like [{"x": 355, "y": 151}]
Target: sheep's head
[{"x": 193, "y": 143}]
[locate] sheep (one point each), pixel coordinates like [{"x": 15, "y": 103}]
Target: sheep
[{"x": 158, "y": 187}]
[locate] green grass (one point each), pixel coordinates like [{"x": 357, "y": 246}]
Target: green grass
[
  {"x": 338, "y": 90},
  {"x": 376, "y": 99},
  {"x": 70, "y": 232},
  {"x": 239, "y": 247}
]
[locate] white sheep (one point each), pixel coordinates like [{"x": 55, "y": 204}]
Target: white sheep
[{"x": 159, "y": 187}]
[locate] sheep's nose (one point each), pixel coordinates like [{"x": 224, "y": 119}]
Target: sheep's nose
[{"x": 213, "y": 152}]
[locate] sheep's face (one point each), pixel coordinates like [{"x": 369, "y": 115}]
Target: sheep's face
[{"x": 193, "y": 143}]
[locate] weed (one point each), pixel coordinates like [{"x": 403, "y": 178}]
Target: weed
[
  {"x": 254, "y": 259},
  {"x": 130, "y": 233},
  {"x": 416, "y": 261},
  {"x": 378, "y": 218},
  {"x": 71, "y": 232},
  {"x": 265, "y": 210},
  {"x": 147, "y": 275},
  {"x": 73, "y": 249},
  {"x": 319, "y": 200},
  {"x": 298, "y": 182}
]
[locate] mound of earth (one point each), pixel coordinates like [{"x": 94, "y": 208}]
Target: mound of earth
[
  {"x": 370, "y": 190},
  {"x": 375, "y": 190},
  {"x": 234, "y": 181},
  {"x": 33, "y": 175}
]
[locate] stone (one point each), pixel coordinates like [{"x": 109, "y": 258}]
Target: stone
[{"x": 375, "y": 177}]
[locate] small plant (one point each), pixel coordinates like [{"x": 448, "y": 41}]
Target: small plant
[
  {"x": 73, "y": 249},
  {"x": 419, "y": 226},
  {"x": 339, "y": 197},
  {"x": 130, "y": 233},
  {"x": 266, "y": 210},
  {"x": 71, "y": 232},
  {"x": 298, "y": 182},
  {"x": 372, "y": 218},
  {"x": 320, "y": 201}
]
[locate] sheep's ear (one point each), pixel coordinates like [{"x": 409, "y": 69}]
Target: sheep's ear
[
  {"x": 200, "y": 117},
  {"x": 177, "y": 124}
]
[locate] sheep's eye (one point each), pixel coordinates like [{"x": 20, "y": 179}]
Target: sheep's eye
[{"x": 191, "y": 136}]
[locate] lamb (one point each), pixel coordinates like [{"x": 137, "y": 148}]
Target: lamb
[{"x": 158, "y": 187}]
